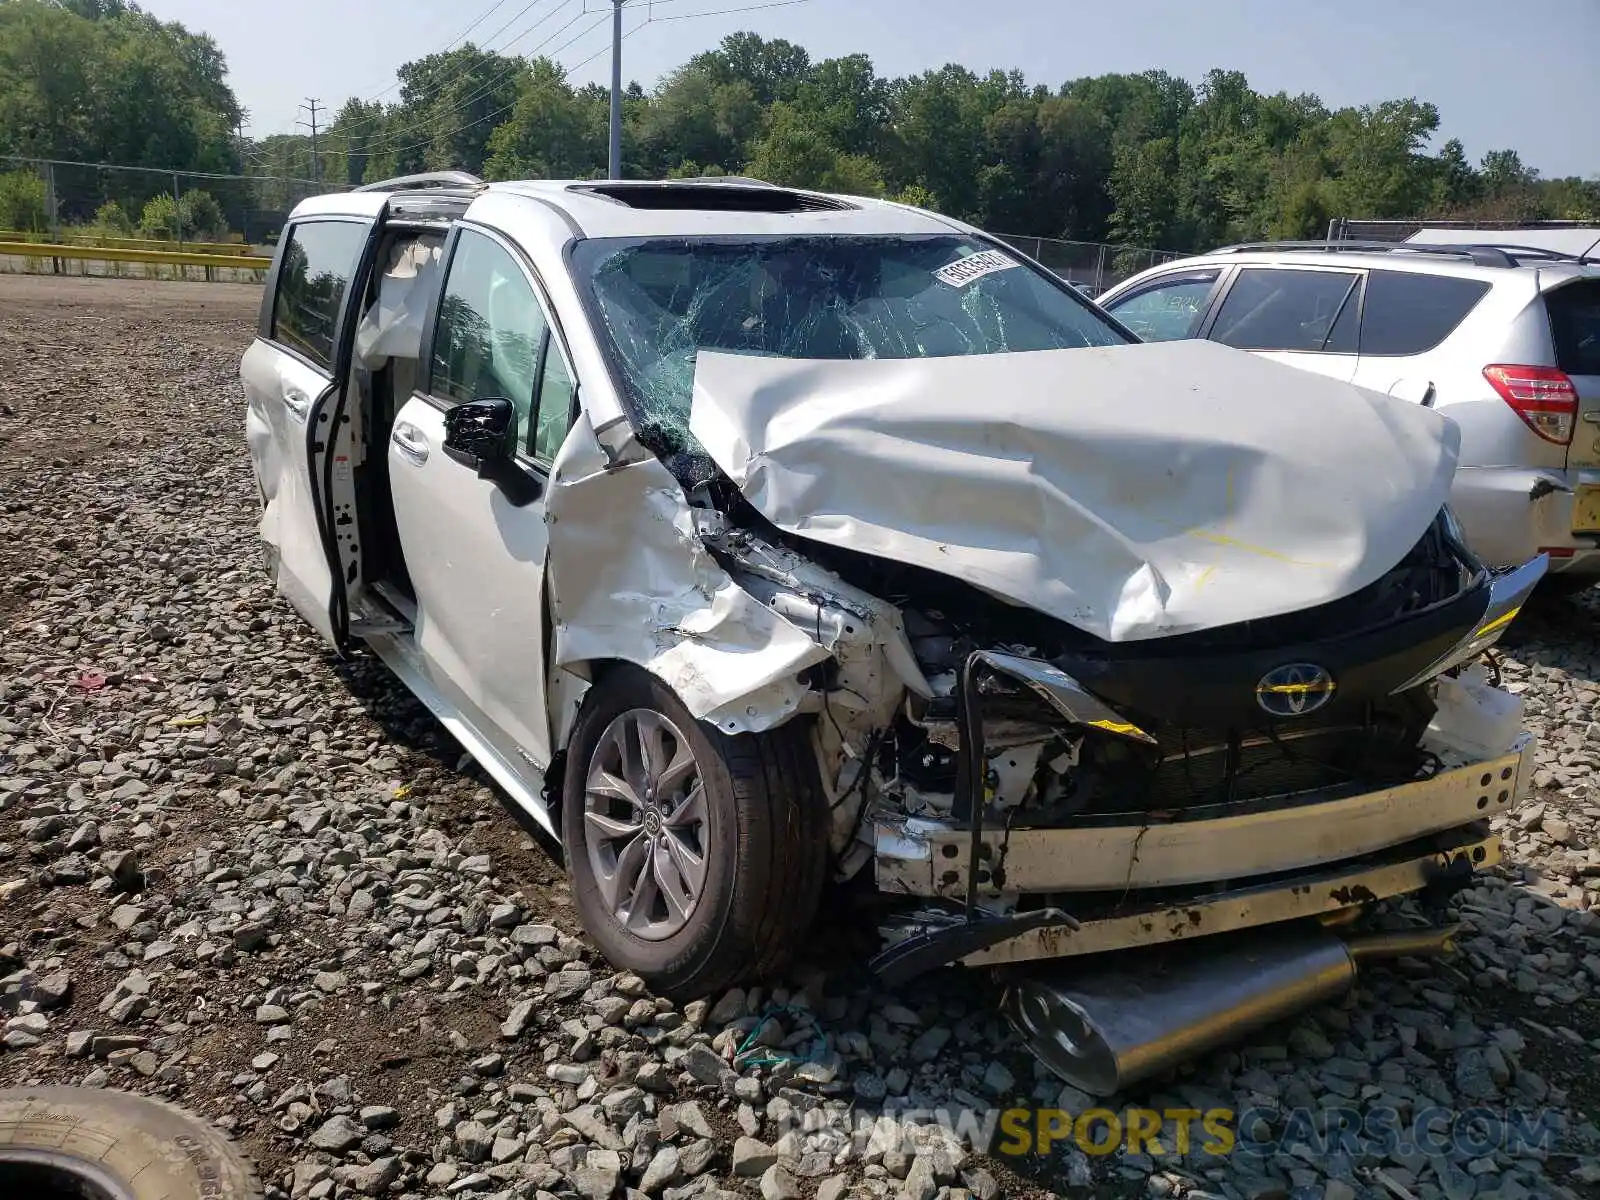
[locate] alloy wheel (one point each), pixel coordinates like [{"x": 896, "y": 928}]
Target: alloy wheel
[{"x": 646, "y": 824}]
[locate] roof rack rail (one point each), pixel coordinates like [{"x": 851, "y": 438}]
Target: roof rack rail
[
  {"x": 1483, "y": 256},
  {"x": 428, "y": 179},
  {"x": 1519, "y": 251}
]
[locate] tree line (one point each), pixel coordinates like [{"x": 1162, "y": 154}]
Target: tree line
[{"x": 1147, "y": 159}]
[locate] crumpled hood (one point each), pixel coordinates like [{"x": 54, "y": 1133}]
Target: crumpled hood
[{"x": 1132, "y": 491}]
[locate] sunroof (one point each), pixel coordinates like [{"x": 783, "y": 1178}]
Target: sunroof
[{"x": 718, "y": 197}]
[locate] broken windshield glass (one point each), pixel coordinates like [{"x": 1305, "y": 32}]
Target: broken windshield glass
[{"x": 658, "y": 302}]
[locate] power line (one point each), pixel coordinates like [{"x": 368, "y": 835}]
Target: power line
[
  {"x": 725, "y": 12},
  {"x": 389, "y": 137},
  {"x": 452, "y": 43},
  {"x": 439, "y": 132},
  {"x": 515, "y": 18},
  {"x": 385, "y": 142},
  {"x": 580, "y": 65}
]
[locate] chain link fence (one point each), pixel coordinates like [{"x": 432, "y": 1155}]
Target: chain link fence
[
  {"x": 1095, "y": 266},
  {"x": 109, "y": 205}
]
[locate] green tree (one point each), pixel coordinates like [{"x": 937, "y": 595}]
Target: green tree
[
  {"x": 1503, "y": 172},
  {"x": 547, "y": 133},
  {"x": 113, "y": 219},
  {"x": 794, "y": 153},
  {"x": 22, "y": 202},
  {"x": 200, "y": 216},
  {"x": 160, "y": 218},
  {"x": 450, "y": 105},
  {"x": 103, "y": 81}
]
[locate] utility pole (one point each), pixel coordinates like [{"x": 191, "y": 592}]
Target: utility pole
[
  {"x": 614, "y": 157},
  {"x": 312, "y": 104}
]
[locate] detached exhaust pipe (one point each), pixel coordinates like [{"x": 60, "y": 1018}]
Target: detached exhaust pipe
[{"x": 1101, "y": 1031}]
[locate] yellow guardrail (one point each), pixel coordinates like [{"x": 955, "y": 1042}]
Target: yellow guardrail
[
  {"x": 79, "y": 238},
  {"x": 58, "y": 254}
]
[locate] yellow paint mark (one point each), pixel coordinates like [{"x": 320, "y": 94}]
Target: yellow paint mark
[
  {"x": 1122, "y": 727},
  {"x": 1203, "y": 578},
  {"x": 1295, "y": 689},
  {"x": 1499, "y": 622},
  {"x": 1222, "y": 539}
]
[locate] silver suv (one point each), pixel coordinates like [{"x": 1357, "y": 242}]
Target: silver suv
[{"x": 1504, "y": 340}]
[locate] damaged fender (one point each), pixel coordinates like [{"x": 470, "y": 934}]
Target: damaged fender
[{"x": 632, "y": 580}]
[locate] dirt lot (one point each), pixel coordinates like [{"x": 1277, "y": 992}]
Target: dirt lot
[{"x": 262, "y": 883}]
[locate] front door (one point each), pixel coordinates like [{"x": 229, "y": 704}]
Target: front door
[
  {"x": 476, "y": 557},
  {"x": 288, "y": 381}
]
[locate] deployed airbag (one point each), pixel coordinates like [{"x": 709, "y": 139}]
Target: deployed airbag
[{"x": 1132, "y": 491}]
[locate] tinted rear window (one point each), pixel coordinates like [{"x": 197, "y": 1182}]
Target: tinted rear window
[
  {"x": 1407, "y": 313},
  {"x": 1575, "y": 323},
  {"x": 317, "y": 264}
]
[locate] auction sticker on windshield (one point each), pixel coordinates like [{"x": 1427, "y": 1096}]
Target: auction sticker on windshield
[{"x": 974, "y": 266}]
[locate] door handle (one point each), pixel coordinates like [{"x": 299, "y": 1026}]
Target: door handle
[
  {"x": 298, "y": 404},
  {"x": 409, "y": 441}
]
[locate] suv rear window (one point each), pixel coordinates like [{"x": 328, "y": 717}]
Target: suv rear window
[
  {"x": 1408, "y": 313},
  {"x": 1575, "y": 323},
  {"x": 317, "y": 264}
]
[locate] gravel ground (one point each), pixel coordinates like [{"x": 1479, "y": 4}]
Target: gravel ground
[{"x": 240, "y": 875}]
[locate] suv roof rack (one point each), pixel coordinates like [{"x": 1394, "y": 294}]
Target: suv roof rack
[
  {"x": 428, "y": 179},
  {"x": 1518, "y": 251},
  {"x": 1480, "y": 255}
]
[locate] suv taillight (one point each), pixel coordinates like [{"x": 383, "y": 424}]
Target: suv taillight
[{"x": 1542, "y": 396}]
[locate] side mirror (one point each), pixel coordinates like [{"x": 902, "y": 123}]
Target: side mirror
[{"x": 481, "y": 433}]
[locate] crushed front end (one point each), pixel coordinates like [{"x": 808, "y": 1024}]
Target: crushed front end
[
  {"x": 1180, "y": 647},
  {"x": 1045, "y": 795}
]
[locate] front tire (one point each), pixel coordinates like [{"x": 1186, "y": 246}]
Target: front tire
[{"x": 697, "y": 858}]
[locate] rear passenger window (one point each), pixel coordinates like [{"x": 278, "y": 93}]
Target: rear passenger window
[
  {"x": 1575, "y": 324},
  {"x": 1272, "y": 309},
  {"x": 318, "y": 261},
  {"x": 1409, "y": 313}
]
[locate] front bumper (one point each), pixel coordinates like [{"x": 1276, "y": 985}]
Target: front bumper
[
  {"x": 1321, "y": 895},
  {"x": 1227, "y": 867},
  {"x": 1219, "y": 842}
]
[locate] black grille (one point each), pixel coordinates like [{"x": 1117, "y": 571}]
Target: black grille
[{"x": 1195, "y": 767}]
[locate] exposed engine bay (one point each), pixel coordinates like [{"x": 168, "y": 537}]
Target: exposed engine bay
[
  {"x": 1013, "y": 810},
  {"x": 1150, "y": 758}
]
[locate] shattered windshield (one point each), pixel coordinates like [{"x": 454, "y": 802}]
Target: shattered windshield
[{"x": 657, "y": 302}]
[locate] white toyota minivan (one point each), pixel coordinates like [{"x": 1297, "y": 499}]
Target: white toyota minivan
[{"x": 752, "y": 537}]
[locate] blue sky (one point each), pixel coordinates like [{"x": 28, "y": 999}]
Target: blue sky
[{"x": 1504, "y": 73}]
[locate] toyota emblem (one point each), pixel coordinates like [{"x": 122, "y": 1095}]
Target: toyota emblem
[{"x": 1294, "y": 690}]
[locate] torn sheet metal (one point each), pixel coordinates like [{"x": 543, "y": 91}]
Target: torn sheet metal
[
  {"x": 392, "y": 327},
  {"x": 631, "y": 580},
  {"x": 1133, "y": 491}
]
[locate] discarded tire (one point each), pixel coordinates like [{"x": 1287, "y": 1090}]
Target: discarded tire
[{"x": 67, "y": 1143}]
